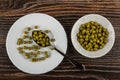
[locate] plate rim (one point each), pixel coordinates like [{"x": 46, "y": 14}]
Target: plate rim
[
  {"x": 73, "y": 41},
  {"x": 9, "y": 34}
]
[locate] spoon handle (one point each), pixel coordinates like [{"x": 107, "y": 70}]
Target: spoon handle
[{"x": 74, "y": 62}]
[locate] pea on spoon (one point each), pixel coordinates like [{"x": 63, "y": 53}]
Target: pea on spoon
[{"x": 39, "y": 34}]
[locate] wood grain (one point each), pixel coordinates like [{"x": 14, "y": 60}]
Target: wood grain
[{"x": 67, "y": 12}]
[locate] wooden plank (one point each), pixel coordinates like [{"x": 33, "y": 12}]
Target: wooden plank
[{"x": 67, "y": 12}]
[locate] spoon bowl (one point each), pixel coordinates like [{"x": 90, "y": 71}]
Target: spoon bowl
[{"x": 41, "y": 38}]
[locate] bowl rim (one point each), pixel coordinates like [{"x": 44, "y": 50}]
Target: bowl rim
[{"x": 90, "y": 56}]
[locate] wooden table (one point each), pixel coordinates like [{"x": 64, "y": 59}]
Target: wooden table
[{"x": 67, "y": 12}]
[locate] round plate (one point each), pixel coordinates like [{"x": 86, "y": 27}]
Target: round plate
[
  {"x": 46, "y": 22},
  {"x": 101, "y": 20}
]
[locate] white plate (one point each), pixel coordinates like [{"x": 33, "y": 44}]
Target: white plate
[
  {"x": 103, "y": 21},
  {"x": 46, "y": 22}
]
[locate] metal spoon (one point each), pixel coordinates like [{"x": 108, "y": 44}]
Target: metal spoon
[{"x": 74, "y": 62}]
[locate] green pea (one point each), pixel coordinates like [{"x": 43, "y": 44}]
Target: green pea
[
  {"x": 25, "y": 47},
  {"x": 46, "y": 54},
  {"x": 29, "y": 42},
  {"x": 95, "y": 23},
  {"x": 86, "y": 39},
  {"x": 100, "y": 30},
  {"x": 28, "y": 28},
  {"x": 99, "y": 35},
  {"x": 89, "y": 44},
  {"x": 95, "y": 49},
  {"x": 88, "y": 25},
  {"x": 39, "y": 47},
  {"x": 88, "y": 49},
  {"x": 34, "y": 59},
  {"x": 101, "y": 47},
  {"x": 41, "y": 42},
  {"x": 19, "y": 41},
  {"x": 37, "y": 37},
  {"x": 52, "y": 48},
  {"x": 87, "y": 36},
  {"x": 94, "y": 43},
  {"x": 94, "y": 40},
  {"x": 36, "y": 27},
  {"x": 83, "y": 32},
  {"x": 98, "y": 27},
  {"x": 24, "y": 37},
  {"x": 91, "y": 49},
  {"x": 28, "y": 56},
  {"x": 44, "y": 39},
  {"x": 101, "y": 38},
  {"x": 47, "y": 31},
  {"x": 96, "y": 30},
  {"x": 25, "y": 32},
  {"x": 21, "y": 51},
  {"x": 43, "y": 45},
  {"x": 40, "y": 35},
  {"x": 107, "y": 33},
  {"x": 105, "y": 41},
  {"x": 91, "y": 41},
  {"x": 85, "y": 43},
  {"x": 87, "y": 31},
  {"x": 47, "y": 43},
  {"x": 102, "y": 44},
  {"x": 38, "y": 42},
  {"x": 93, "y": 31},
  {"x": 31, "y": 53},
  {"x": 93, "y": 27},
  {"x": 35, "y": 55},
  {"x": 38, "y": 52},
  {"x": 35, "y": 32},
  {"x": 30, "y": 38},
  {"x": 81, "y": 40},
  {"x": 92, "y": 36},
  {"x": 35, "y": 49},
  {"x": 104, "y": 29},
  {"x": 96, "y": 46},
  {"x": 19, "y": 48},
  {"x": 101, "y": 26},
  {"x": 103, "y": 34},
  {"x": 82, "y": 45},
  {"x": 91, "y": 22},
  {"x": 34, "y": 35},
  {"x": 82, "y": 26},
  {"x": 52, "y": 40},
  {"x": 42, "y": 58},
  {"x": 98, "y": 41},
  {"x": 80, "y": 36},
  {"x": 96, "y": 35}
]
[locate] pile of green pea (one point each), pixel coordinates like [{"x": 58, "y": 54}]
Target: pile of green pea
[
  {"x": 92, "y": 36},
  {"x": 41, "y": 38},
  {"x": 27, "y": 47}
]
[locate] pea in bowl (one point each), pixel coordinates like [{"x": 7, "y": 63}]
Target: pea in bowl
[{"x": 87, "y": 44}]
